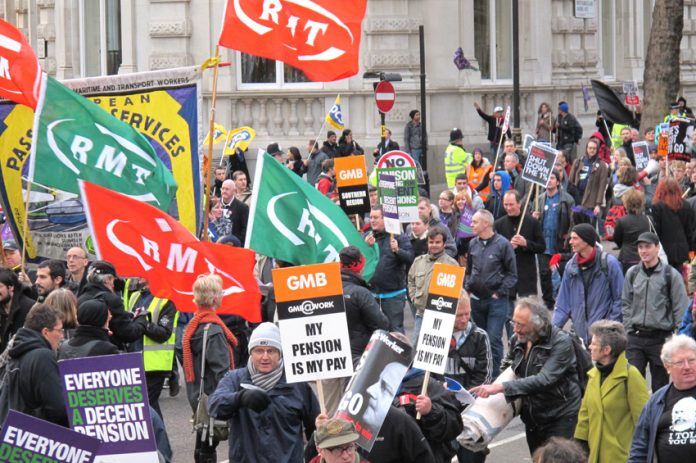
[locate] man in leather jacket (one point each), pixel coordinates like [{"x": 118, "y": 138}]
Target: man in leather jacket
[{"x": 543, "y": 359}]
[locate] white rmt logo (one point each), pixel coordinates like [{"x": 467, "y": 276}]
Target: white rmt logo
[
  {"x": 440, "y": 303},
  {"x": 308, "y": 307}
]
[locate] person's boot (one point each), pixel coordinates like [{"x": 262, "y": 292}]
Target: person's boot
[{"x": 174, "y": 386}]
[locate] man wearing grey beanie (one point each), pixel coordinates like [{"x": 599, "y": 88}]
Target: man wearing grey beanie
[{"x": 266, "y": 414}]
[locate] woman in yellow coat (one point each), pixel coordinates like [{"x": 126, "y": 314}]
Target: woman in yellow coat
[{"x": 615, "y": 395}]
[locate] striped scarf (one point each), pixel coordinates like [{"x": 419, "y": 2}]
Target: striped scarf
[{"x": 266, "y": 381}]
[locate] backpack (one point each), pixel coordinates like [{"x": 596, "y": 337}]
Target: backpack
[
  {"x": 10, "y": 395},
  {"x": 583, "y": 361},
  {"x": 613, "y": 215}
]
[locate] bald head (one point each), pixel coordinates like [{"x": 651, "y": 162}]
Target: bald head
[{"x": 228, "y": 190}]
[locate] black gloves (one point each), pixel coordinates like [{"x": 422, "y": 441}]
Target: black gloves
[{"x": 255, "y": 399}]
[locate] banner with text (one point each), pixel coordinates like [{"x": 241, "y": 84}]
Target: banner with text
[
  {"x": 387, "y": 191},
  {"x": 539, "y": 165},
  {"x": 351, "y": 180},
  {"x": 679, "y": 133},
  {"x": 163, "y": 105},
  {"x": 406, "y": 191},
  {"x": 438, "y": 318},
  {"x": 641, "y": 153},
  {"x": 372, "y": 388},
  {"x": 106, "y": 398},
  {"x": 312, "y": 322},
  {"x": 28, "y": 439}
]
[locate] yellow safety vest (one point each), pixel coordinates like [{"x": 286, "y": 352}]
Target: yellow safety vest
[
  {"x": 156, "y": 356},
  {"x": 616, "y": 135},
  {"x": 456, "y": 162}
]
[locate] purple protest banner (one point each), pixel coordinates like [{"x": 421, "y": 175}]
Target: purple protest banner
[
  {"x": 464, "y": 227},
  {"x": 106, "y": 398},
  {"x": 25, "y": 438}
]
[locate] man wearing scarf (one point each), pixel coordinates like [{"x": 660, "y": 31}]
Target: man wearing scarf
[
  {"x": 266, "y": 413},
  {"x": 592, "y": 284}
]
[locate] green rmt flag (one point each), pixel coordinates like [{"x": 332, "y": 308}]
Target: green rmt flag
[
  {"x": 76, "y": 139},
  {"x": 290, "y": 220}
]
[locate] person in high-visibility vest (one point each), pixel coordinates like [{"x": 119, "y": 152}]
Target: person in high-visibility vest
[
  {"x": 159, "y": 340},
  {"x": 456, "y": 158}
]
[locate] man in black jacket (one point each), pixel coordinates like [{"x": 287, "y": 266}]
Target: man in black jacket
[
  {"x": 101, "y": 280},
  {"x": 234, "y": 209},
  {"x": 490, "y": 278},
  {"x": 35, "y": 347},
  {"x": 495, "y": 127},
  {"x": 527, "y": 243},
  {"x": 568, "y": 130},
  {"x": 389, "y": 279},
  {"x": 543, "y": 360},
  {"x": 15, "y": 304}
]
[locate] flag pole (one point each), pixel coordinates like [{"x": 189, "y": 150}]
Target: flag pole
[
  {"x": 323, "y": 124},
  {"x": 25, "y": 227},
  {"x": 209, "y": 158}
]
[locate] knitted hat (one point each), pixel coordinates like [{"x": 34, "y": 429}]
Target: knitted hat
[
  {"x": 93, "y": 312},
  {"x": 266, "y": 334},
  {"x": 586, "y": 232},
  {"x": 563, "y": 106},
  {"x": 351, "y": 259}
]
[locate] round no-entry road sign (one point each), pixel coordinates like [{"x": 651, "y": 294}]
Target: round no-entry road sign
[{"x": 385, "y": 96}]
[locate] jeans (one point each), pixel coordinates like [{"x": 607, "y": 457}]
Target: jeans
[
  {"x": 416, "y": 154},
  {"x": 393, "y": 308},
  {"x": 490, "y": 315},
  {"x": 417, "y": 323},
  {"x": 641, "y": 350}
]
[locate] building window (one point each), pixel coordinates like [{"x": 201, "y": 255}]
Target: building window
[
  {"x": 256, "y": 71},
  {"x": 608, "y": 37},
  {"x": 100, "y": 37},
  {"x": 493, "y": 38}
]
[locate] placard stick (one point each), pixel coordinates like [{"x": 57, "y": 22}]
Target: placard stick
[
  {"x": 357, "y": 221},
  {"x": 524, "y": 211},
  {"x": 424, "y": 389},
  {"x": 320, "y": 393},
  {"x": 497, "y": 153},
  {"x": 536, "y": 198}
]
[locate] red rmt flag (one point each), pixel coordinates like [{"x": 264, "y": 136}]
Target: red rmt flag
[
  {"x": 20, "y": 73},
  {"x": 320, "y": 37},
  {"x": 142, "y": 241}
]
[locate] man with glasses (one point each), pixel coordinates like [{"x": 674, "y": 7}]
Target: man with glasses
[
  {"x": 336, "y": 442},
  {"x": 77, "y": 268},
  {"x": 543, "y": 360},
  {"x": 33, "y": 353},
  {"x": 666, "y": 430},
  {"x": 266, "y": 414}
]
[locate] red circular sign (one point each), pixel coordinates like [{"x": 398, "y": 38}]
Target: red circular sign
[{"x": 385, "y": 96}]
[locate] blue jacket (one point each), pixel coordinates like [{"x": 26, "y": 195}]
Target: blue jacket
[
  {"x": 273, "y": 435},
  {"x": 603, "y": 298},
  {"x": 645, "y": 434},
  {"x": 686, "y": 326}
]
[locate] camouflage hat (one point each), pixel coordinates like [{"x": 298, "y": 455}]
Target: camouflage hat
[{"x": 334, "y": 432}]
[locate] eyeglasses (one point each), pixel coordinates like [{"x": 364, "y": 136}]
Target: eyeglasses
[
  {"x": 515, "y": 324},
  {"x": 261, "y": 351},
  {"x": 443, "y": 198},
  {"x": 338, "y": 451},
  {"x": 684, "y": 363}
]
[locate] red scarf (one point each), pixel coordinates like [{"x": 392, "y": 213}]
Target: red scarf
[
  {"x": 204, "y": 316},
  {"x": 585, "y": 261}
]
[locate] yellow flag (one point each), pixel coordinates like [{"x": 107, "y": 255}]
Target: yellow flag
[
  {"x": 240, "y": 137},
  {"x": 218, "y": 135}
]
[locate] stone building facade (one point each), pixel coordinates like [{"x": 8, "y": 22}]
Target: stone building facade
[{"x": 559, "y": 52}]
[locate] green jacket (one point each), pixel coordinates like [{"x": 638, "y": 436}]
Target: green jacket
[{"x": 608, "y": 413}]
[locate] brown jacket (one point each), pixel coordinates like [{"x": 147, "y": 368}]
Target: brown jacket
[{"x": 596, "y": 184}]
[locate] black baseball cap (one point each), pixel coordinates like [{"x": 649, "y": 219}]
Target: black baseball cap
[{"x": 648, "y": 237}]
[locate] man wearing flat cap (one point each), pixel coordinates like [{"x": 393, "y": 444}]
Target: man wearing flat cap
[
  {"x": 591, "y": 286},
  {"x": 652, "y": 303},
  {"x": 336, "y": 442}
]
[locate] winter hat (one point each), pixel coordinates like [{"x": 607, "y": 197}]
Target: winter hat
[
  {"x": 266, "y": 334},
  {"x": 351, "y": 259},
  {"x": 563, "y": 106},
  {"x": 586, "y": 232},
  {"x": 93, "y": 312}
]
